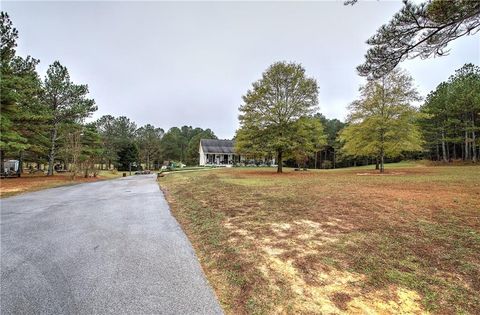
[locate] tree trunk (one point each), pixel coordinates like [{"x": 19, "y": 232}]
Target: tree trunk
[
  {"x": 325, "y": 157},
  {"x": 316, "y": 154},
  {"x": 20, "y": 163},
  {"x": 51, "y": 155},
  {"x": 377, "y": 164},
  {"x": 474, "y": 148},
  {"x": 438, "y": 153},
  {"x": 444, "y": 151},
  {"x": 382, "y": 131},
  {"x": 454, "y": 151},
  {"x": 448, "y": 151},
  {"x": 382, "y": 160},
  {"x": 280, "y": 161},
  {"x": 467, "y": 149},
  {"x": 2, "y": 166},
  {"x": 334, "y": 162}
]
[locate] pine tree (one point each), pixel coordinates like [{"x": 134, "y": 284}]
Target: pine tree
[{"x": 66, "y": 102}]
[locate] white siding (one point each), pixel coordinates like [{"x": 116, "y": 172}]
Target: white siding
[{"x": 203, "y": 157}]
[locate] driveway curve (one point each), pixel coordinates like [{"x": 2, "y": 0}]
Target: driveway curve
[{"x": 104, "y": 247}]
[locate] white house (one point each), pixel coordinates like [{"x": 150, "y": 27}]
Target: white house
[
  {"x": 218, "y": 152},
  {"x": 222, "y": 152}
]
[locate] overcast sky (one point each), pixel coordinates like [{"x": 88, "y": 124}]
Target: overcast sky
[{"x": 172, "y": 64}]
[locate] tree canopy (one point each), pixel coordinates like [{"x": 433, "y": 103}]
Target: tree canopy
[
  {"x": 149, "y": 143},
  {"x": 383, "y": 121},
  {"x": 270, "y": 117},
  {"x": 451, "y": 116},
  {"x": 419, "y": 30},
  {"x": 65, "y": 101},
  {"x": 20, "y": 87}
]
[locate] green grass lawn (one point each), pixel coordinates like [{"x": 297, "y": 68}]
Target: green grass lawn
[{"x": 335, "y": 241}]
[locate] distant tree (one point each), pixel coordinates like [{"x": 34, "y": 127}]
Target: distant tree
[
  {"x": 383, "y": 122},
  {"x": 186, "y": 134},
  {"x": 272, "y": 109},
  {"x": 70, "y": 136},
  {"x": 332, "y": 128},
  {"x": 91, "y": 148},
  {"x": 310, "y": 137},
  {"x": 80, "y": 147},
  {"x": 115, "y": 134},
  {"x": 127, "y": 157},
  {"x": 171, "y": 144},
  {"x": 436, "y": 121},
  {"x": 124, "y": 130},
  {"x": 466, "y": 88},
  {"x": 149, "y": 139},
  {"x": 193, "y": 156},
  {"x": 105, "y": 127},
  {"x": 452, "y": 113},
  {"x": 22, "y": 114},
  {"x": 419, "y": 30},
  {"x": 66, "y": 101}
]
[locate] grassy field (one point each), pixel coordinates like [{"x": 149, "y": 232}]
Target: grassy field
[
  {"x": 26, "y": 183},
  {"x": 335, "y": 241}
]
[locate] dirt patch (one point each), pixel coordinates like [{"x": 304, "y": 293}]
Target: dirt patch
[{"x": 26, "y": 183}]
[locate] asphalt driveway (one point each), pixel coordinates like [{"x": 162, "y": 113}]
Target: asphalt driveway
[{"x": 104, "y": 247}]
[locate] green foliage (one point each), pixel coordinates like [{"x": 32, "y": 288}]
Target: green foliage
[
  {"x": 91, "y": 144},
  {"x": 382, "y": 122},
  {"x": 22, "y": 114},
  {"x": 172, "y": 144},
  {"x": 310, "y": 138},
  {"x": 148, "y": 139},
  {"x": 181, "y": 143},
  {"x": 270, "y": 115},
  {"x": 127, "y": 156},
  {"x": 451, "y": 113},
  {"x": 332, "y": 128},
  {"x": 116, "y": 134},
  {"x": 419, "y": 30},
  {"x": 66, "y": 103},
  {"x": 194, "y": 144}
]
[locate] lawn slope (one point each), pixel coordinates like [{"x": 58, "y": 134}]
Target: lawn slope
[{"x": 336, "y": 241}]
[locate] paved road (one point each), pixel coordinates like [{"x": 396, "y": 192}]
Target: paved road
[{"x": 105, "y": 247}]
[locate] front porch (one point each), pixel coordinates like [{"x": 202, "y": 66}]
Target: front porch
[{"x": 222, "y": 159}]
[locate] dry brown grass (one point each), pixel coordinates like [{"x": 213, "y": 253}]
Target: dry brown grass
[
  {"x": 335, "y": 241},
  {"x": 27, "y": 183}
]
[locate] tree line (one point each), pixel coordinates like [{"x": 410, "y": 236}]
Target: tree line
[
  {"x": 125, "y": 145},
  {"x": 44, "y": 121},
  {"x": 279, "y": 118},
  {"x": 451, "y": 117}
]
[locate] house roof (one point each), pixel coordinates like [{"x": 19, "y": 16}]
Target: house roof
[{"x": 218, "y": 146}]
